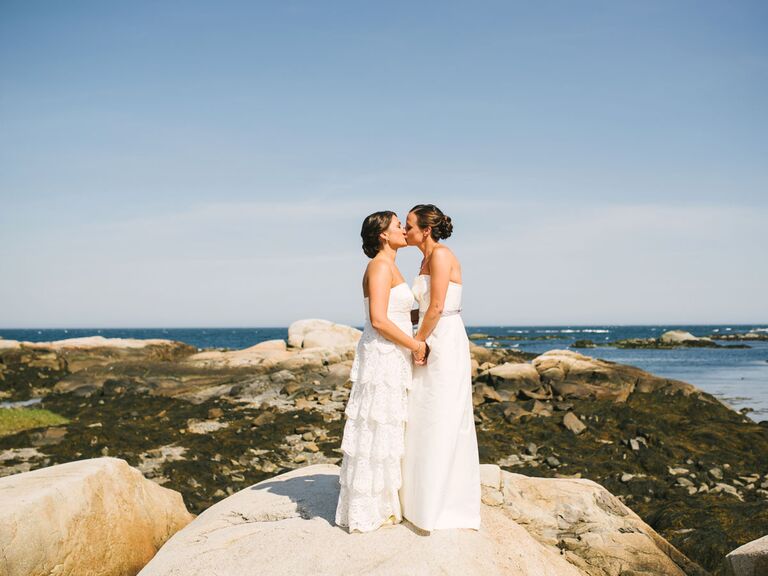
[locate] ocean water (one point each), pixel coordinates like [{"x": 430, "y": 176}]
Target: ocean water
[{"x": 739, "y": 377}]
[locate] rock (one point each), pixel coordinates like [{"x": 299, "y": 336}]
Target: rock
[
  {"x": 677, "y": 471},
  {"x": 96, "y": 517},
  {"x": 490, "y": 476},
  {"x": 205, "y": 426},
  {"x": 572, "y": 422},
  {"x": 214, "y": 413},
  {"x": 484, "y": 392},
  {"x": 716, "y": 473},
  {"x": 552, "y": 462},
  {"x": 728, "y": 489},
  {"x": 574, "y": 375},
  {"x": 597, "y": 533},
  {"x": 264, "y": 418},
  {"x": 338, "y": 375},
  {"x": 261, "y": 525},
  {"x": 271, "y": 345},
  {"x": 514, "y": 376},
  {"x": 751, "y": 559},
  {"x": 678, "y": 337},
  {"x": 513, "y": 411},
  {"x": 322, "y": 333}
]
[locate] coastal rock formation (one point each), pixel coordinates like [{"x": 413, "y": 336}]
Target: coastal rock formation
[
  {"x": 321, "y": 334},
  {"x": 209, "y": 424},
  {"x": 531, "y": 527},
  {"x": 751, "y": 559},
  {"x": 98, "y": 517},
  {"x": 737, "y": 336},
  {"x": 683, "y": 337},
  {"x": 573, "y": 375}
]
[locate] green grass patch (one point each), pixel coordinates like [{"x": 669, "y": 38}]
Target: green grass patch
[{"x": 14, "y": 420}]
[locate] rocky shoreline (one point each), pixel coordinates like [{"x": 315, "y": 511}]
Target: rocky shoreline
[{"x": 208, "y": 424}]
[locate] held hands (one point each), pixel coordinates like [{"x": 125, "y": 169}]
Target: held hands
[{"x": 421, "y": 353}]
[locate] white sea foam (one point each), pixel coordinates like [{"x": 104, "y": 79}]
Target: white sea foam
[{"x": 759, "y": 330}]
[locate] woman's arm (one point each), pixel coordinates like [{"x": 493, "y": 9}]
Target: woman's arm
[
  {"x": 440, "y": 272},
  {"x": 379, "y": 286}
]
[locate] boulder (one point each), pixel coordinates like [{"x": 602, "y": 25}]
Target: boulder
[
  {"x": 511, "y": 377},
  {"x": 751, "y": 559},
  {"x": 322, "y": 334},
  {"x": 570, "y": 374},
  {"x": 598, "y": 534},
  {"x": 285, "y": 525},
  {"x": 98, "y": 517},
  {"x": 530, "y": 527},
  {"x": 271, "y": 345},
  {"x": 678, "y": 337}
]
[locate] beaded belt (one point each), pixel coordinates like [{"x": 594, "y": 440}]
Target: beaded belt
[{"x": 446, "y": 313}]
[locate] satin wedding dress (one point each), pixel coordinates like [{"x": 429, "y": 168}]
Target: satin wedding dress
[
  {"x": 441, "y": 467},
  {"x": 373, "y": 442}
]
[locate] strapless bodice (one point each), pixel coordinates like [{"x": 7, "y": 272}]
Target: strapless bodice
[
  {"x": 399, "y": 307},
  {"x": 421, "y": 288}
]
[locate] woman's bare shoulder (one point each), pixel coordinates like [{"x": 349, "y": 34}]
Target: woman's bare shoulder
[{"x": 442, "y": 255}]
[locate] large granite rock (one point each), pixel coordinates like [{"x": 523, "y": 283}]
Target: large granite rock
[
  {"x": 751, "y": 559},
  {"x": 681, "y": 337},
  {"x": 98, "y": 517},
  {"x": 514, "y": 376},
  {"x": 322, "y": 334},
  {"x": 77, "y": 354},
  {"x": 596, "y": 532},
  {"x": 574, "y": 375},
  {"x": 286, "y": 526}
]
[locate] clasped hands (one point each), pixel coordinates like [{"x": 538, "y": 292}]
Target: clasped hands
[{"x": 421, "y": 353}]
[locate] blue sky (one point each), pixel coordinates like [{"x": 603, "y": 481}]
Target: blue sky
[{"x": 210, "y": 163}]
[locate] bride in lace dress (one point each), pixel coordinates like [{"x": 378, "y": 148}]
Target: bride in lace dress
[{"x": 373, "y": 441}]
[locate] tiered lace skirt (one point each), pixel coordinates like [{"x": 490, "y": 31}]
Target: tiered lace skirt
[{"x": 374, "y": 432}]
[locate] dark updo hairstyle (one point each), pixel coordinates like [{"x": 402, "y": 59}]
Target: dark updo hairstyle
[
  {"x": 429, "y": 215},
  {"x": 373, "y": 226}
]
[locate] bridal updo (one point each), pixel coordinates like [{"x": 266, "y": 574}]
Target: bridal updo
[
  {"x": 429, "y": 215},
  {"x": 373, "y": 226}
]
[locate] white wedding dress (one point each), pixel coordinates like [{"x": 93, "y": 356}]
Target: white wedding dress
[
  {"x": 441, "y": 467},
  {"x": 372, "y": 445}
]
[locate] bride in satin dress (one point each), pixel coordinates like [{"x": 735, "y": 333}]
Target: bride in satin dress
[
  {"x": 373, "y": 440},
  {"x": 441, "y": 467}
]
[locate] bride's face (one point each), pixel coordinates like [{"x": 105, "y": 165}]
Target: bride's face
[
  {"x": 413, "y": 234},
  {"x": 395, "y": 234}
]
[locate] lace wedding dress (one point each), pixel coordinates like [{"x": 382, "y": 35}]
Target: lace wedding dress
[
  {"x": 441, "y": 468},
  {"x": 372, "y": 444}
]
